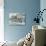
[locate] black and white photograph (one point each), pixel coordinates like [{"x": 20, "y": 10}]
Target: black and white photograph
[{"x": 17, "y": 19}]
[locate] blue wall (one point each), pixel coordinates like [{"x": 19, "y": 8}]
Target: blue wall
[{"x": 14, "y": 33}]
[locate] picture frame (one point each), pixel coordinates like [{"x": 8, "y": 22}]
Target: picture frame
[{"x": 17, "y": 18}]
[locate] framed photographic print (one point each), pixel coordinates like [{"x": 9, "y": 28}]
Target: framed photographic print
[{"x": 17, "y": 19}]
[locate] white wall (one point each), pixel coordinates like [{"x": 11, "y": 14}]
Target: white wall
[
  {"x": 1, "y": 21},
  {"x": 43, "y": 6}
]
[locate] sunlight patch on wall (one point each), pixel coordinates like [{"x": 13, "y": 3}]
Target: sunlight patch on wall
[{"x": 1, "y": 21}]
